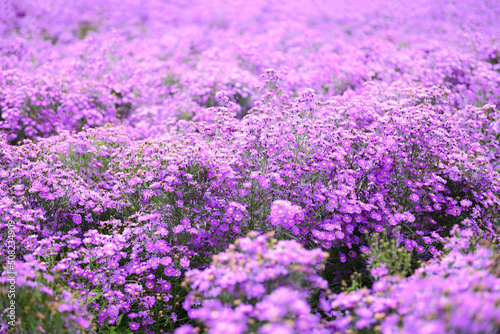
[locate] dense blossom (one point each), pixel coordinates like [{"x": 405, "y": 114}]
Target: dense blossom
[
  {"x": 141, "y": 141},
  {"x": 258, "y": 284},
  {"x": 456, "y": 293},
  {"x": 38, "y": 296}
]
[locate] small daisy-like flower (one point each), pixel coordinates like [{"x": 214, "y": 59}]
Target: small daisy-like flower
[
  {"x": 161, "y": 246},
  {"x": 379, "y": 228},
  {"x": 420, "y": 249},
  {"x": 134, "y": 326},
  {"x": 166, "y": 286},
  {"x": 184, "y": 262},
  {"x": 271, "y": 150},
  {"x": 103, "y": 315},
  {"x": 375, "y": 215},
  {"x": 166, "y": 260},
  {"x": 392, "y": 221},
  {"x": 169, "y": 271},
  {"x": 77, "y": 219},
  {"x": 150, "y": 284},
  {"x": 439, "y": 187},
  {"x": 109, "y": 252},
  {"x": 342, "y": 257},
  {"x": 178, "y": 229},
  {"x": 150, "y": 247},
  {"x": 327, "y": 244},
  {"x": 454, "y": 211},
  {"x": 465, "y": 202},
  {"x": 409, "y": 183},
  {"x": 238, "y": 216},
  {"x": 409, "y": 217}
]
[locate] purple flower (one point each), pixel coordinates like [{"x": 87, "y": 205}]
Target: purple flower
[
  {"x": 185, "y": 329},
  {"x": 184, "y": 262},
  {"x": 77, "y": 219},
  {"x": 134, "y": 325},
  {"x": 327, "y": 244},
  {"x": 178, "y": 229},
  {"x": 409, "y": 245},
  {"x": 414, "y": 197},
  {"x": 342, "y": 257},
  {"x": 375, "y": 215},
  {"x": 465, "y": 202},
  {"x": 364, "y": 249},
  {"x": 438, "y": 187},
  {"x": 454, "y": 211},
  {"x": 364, "y": 312},
  {"x": 169, "y": 271},
  {"x": 102, "y": 315}
]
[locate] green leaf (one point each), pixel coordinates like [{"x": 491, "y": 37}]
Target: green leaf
[{"x": 120, "y": 319}]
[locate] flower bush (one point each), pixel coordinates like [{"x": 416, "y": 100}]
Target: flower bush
[
  {"x": 42, "y": 305},
  {"x": 457, "y": 292},
  {"x": 141, "y": 140},
  {"x": 258, "y": 285}
]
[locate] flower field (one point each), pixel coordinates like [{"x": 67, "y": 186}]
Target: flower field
[{"x": 264, "y": 166}]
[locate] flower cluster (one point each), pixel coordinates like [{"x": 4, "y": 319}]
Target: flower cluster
[
  {"x": 458, "y": 293},
  {"x": 286, "y": 215},
  {"x": 258, "y": 284},
  {"x": 39, "y": 295},
  {"x": 139, "y": 140}
]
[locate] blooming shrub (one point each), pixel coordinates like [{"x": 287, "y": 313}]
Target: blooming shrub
[
  {"x": 138, "y": 140},
  {"x": 458, "y": 293},
  {"x": 260, "y": 285},
  {"x": 41, "y": 304}
]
